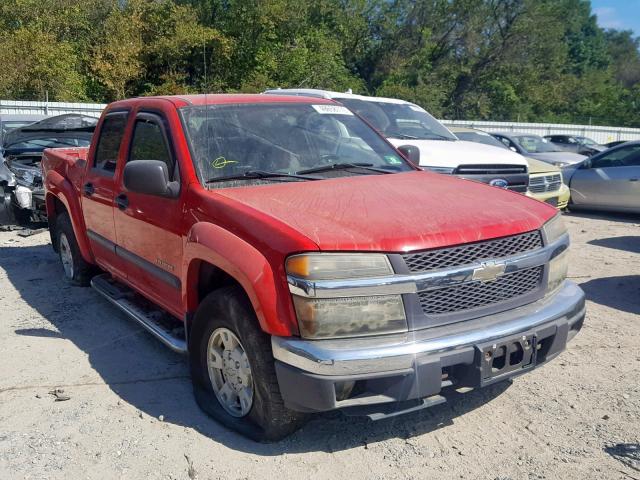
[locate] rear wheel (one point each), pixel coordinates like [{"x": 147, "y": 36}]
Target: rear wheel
[
  {"x": 76, "y": 269},
  {"x": 233, "y": 371}
]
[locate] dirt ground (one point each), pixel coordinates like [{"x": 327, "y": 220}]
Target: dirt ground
[{"x": 131, "y": 413}]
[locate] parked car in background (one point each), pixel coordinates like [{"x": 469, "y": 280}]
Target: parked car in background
[
  {"x": 537, "y": 147},
  {"x": 608, "y": 181},
  {"x": 576, "y": 144},
  {"x": 21, "y": 190},
  {"x": 11, "y": 121},
  {"x": 302, "y": 263},
  {"x": 428, "y": 142},
  {"x": 545, "y": 180}
]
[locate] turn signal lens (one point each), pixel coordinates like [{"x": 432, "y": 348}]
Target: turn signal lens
[
  {"x": 554, "y": 229},
  {"x": 335, "y": 266}
]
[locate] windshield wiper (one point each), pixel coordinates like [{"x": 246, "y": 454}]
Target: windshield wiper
[
  {"x": 343, "y": 166},
  {"x": 258, "y": 174}
]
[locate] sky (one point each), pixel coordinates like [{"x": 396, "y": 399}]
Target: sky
[{"x": 618, "y": 14}]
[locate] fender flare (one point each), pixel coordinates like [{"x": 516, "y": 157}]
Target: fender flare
[
  {"x": 210, "y": 243},
  {"x": 60, "y": 188}
]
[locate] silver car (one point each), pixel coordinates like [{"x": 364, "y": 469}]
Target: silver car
[
  {"x": 609, "y": 180},
  {"x": 535, "y": 146}
]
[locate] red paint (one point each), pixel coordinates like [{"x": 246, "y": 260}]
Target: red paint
[{"x": 248, "y": 232}]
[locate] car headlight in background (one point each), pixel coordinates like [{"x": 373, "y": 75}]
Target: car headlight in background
[
  {"x": 345, "y": 316},
  {"x": 559, "y": 264}
]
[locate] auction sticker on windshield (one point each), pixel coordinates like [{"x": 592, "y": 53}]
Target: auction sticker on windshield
[{"x": 332, "y": 109}]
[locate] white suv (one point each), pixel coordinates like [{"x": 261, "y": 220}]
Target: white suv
[{"x": 407, "y": 124}]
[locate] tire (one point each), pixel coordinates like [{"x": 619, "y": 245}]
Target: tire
[
  {"x": 229, "y": 310},
  {"x": 76, "y": 270}
]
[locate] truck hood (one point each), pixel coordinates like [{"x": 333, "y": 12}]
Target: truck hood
[
  {"x": 394, "y": 213},
  {"x": 568, "y": 157},
  {"x": 440, "y": 153},
  {"x": 538, "y": 166}
]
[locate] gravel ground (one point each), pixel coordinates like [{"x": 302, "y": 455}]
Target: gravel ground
[{"x": 130, "y": 412}]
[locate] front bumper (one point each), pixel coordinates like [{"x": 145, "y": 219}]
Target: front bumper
[
  {"x": 324, "y": 375},
  {"x": 560, "y": 198}
]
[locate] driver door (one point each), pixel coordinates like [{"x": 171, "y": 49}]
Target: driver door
[{"x": 611, "y": 180}]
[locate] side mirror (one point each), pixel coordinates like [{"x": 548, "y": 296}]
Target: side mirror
[
  {"x": 411, "y": 153},
  {"x": 586, "y": 164},
  {"x": 150, "y": 177}
]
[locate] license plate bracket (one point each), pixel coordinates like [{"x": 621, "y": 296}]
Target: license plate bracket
[{"x": 506, "y": 358}]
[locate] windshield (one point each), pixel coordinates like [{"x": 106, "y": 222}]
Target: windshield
[
  {"x": 236, "y": 139},
  {"x": 535, "y": 144},
  {"x": 481, "y": 137},
  {"x": 586, "y": 141},
  {"x": 399, "y": 120}
]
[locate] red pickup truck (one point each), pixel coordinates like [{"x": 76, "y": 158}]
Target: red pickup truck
[{"x": 303, "y": 263}]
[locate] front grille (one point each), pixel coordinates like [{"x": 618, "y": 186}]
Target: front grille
[
  {"x": 472, "y": 252},
  {"x": 469, "y": 295},
  {"x": 545, "y": 183},
  {"x": 490, "y": 169}
]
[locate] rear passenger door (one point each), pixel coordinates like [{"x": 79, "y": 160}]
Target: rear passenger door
[
  {"x": 148, "y": 227},
  {"x": 98, "y": 190}
]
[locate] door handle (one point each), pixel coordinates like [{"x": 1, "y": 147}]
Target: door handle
[
  {"x": 122, "y": 201},
  {"x": 88, "y": 189}
]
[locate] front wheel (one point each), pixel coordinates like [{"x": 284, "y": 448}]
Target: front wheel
[{"x": 233, "y": 371}]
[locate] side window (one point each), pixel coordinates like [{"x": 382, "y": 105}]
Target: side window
[
  {"x": 623, "y": 157},
  {"x": 507, "y": 142},
  {"x": 111, "y": 134},
  {"x": 149, "y": 143}
]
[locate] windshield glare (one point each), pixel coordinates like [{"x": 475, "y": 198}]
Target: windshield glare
[
  {"x": 484, "y": 138},
  {"x": 227, "y": 140},
  {"x": 586, "y": 141},
  {"x": 535, "y": 144},
  {"x": 399, "y": 120}
]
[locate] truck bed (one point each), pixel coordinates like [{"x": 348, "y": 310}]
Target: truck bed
[{"x": 68, "y": 162}]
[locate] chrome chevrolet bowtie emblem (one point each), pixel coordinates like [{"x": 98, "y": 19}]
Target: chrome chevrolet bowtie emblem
[{"x": 488, "y": 271}]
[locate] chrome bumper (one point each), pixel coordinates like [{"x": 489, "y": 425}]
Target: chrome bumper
[{"x": 388, "y": 353}]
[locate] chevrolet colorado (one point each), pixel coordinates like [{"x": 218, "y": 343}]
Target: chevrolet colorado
[{"x": 302, "y": 262}]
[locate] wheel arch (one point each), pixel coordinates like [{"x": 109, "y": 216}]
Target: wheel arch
[{"x": 215, "y": 258}]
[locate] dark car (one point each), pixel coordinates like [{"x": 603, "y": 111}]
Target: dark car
[
  {"x": 22, "y": 194},
  {"x": 615, "y": 144},
  {"x": 576, "y": 144}
]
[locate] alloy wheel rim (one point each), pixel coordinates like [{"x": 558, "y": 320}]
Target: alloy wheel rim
[
  {"x": 65, "y": 256},
  {"x": 229, "y": 372}
]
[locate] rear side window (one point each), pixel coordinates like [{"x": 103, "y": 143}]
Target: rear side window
[
  {"x": 149, "y": 143},
  {"x": 109, "y": 141}
]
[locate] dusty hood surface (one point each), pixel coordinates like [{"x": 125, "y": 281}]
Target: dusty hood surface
[
  {"x": 437, "y": 153},
  {"x": 394, "y": 213}
]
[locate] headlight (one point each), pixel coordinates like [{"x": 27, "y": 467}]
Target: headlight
[
  {"x": 561, "y": 164},
  {"x": 349, "y": 317},
  {"x": 558, "y": 267},
  {"x": 345, "y": 316},
  {"x": 447, "y": 170},
  {"x": 554, "y": 229},
  {"x": 334, "y": 266}
]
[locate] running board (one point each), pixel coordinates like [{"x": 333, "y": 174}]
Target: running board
[{"x": 152, "y": 318}]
